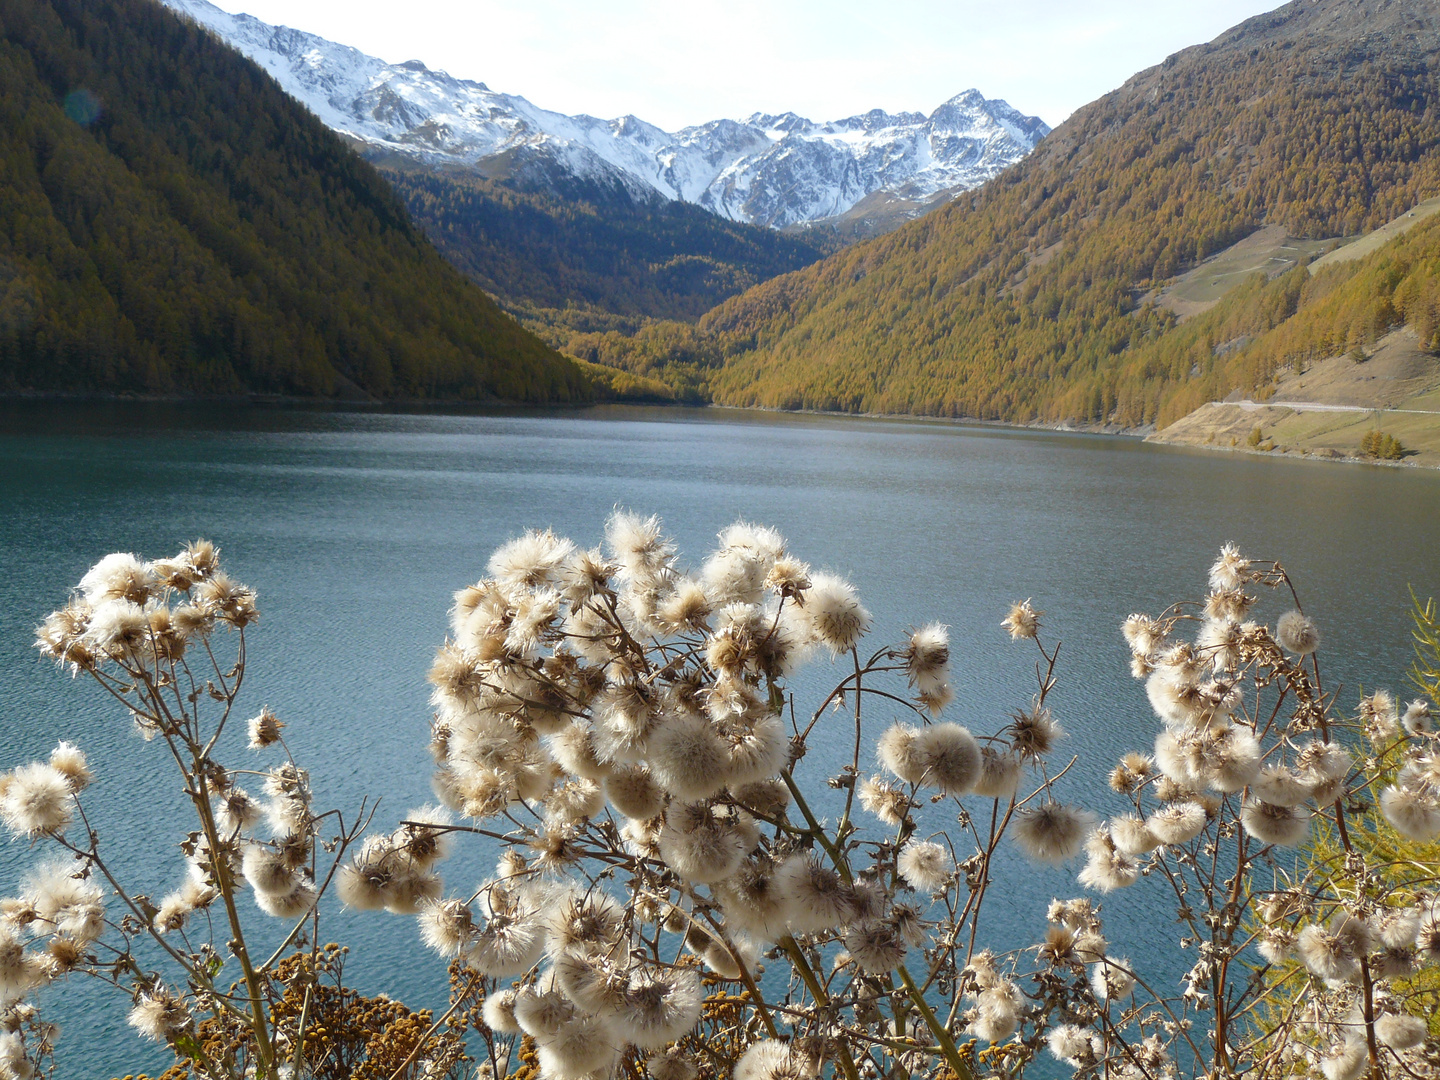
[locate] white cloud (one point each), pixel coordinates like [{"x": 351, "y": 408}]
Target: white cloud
[{"x": 683, "y": 63}]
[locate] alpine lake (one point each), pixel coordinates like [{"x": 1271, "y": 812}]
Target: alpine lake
[{"x": 356, "y": 527}]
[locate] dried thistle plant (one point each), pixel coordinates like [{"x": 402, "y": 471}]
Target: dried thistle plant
[
  {"x": 674, "y": 897},
  {"x": 165, "y": 640}
]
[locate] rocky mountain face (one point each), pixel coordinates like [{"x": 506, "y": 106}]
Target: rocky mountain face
[{"x": 776, "y": 170}]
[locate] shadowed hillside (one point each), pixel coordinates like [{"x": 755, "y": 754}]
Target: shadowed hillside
[{"x": 569, "y": 258}]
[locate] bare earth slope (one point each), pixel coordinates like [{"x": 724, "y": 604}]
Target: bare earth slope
[{"x": 1327, "y": 411}]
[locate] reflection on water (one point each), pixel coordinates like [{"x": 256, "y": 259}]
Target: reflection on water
[{"x": 356, "y": 527}]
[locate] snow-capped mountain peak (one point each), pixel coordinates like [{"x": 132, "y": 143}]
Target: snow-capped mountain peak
[{"x": 770, "y": 169}]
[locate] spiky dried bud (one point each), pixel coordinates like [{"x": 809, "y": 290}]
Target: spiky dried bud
[
  {"x": 1034, "y": 732},
  {"x": 1023, "y": 621},
  {"x": 264, "y": 729}
]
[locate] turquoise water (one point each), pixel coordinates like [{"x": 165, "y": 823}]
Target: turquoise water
[{"x": 355, "y": 528}]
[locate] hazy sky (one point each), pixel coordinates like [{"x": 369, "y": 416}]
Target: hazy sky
[{"x": 678, "y": 62}]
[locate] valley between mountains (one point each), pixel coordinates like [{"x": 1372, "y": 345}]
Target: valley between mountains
[{"x": 1234, "y": 249}]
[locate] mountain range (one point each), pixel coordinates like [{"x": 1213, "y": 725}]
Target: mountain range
[
  {"x": 1036, "y": 296},
  {"x": 774, "y": 170}
]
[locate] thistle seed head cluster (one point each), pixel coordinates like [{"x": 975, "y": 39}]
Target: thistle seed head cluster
[{"x": 676, "y": 896}]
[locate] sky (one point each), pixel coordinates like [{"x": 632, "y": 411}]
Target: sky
[{"x": 679, "y": 62}]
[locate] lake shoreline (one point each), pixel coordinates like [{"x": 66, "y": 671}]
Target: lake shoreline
[{"x": 400, "y": 406}]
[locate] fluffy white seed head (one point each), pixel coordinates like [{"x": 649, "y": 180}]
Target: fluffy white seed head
[
  {"x": 674, "y": 1064},
  {"x": 688, "y": 758},
  {"x": 1345, "y": 1060},
  {"x": 699, "y": 845},
  {"x": 69, "y": 761},
  {"x": 1177, "y": 822},
  {"x": 1107, "y": 867},
  {"x": 586, "y": 1046},
  {"x": 1413, "y": 813},
  {"x": 833, "y": 614},
  {"x": 999, "y": 774},
  {"x": 771, "y": 1059},
  {"x": 658, "y": 1007},
  {"x": 1132, "y": 835},
  {"x": 573, "y": 747},
  {"x": 1286, "y": 826},
  {"x": 447, "y": 926},
  {"x": 1418, "y": 718},
  {"x": 950, "y": 757},
  {"x": 897, "y": 752},
  {"x": 885, "y": 800},
  {"x": 756, "y": 902},
  {"x": 292, "y": 905},
  {"x": 1071, "y": 1045},
  {"x": 1380, "y": 716},
  {"x": 1297, "y": 633},
  {"x": 532, "y": 560},
  {"x": 925, "y": 865},
  {"x": 1400, "y": 1032},
  {"x": 1276, "y": 944},
  {"x": 1333, "y": 952},
  {"x": 815, "y": 895},
  {"x": 1280, "y": 786},
  {"x": 37, "y": 800},
  {"x": 1023, "y": 621},
  {"x": 634, "y": 792},
  {"x": 1237, "y": 759},
  {"x": 120, "y": 576},
  {"x": 1112, "y": 979},
  {"x": 1231, "y": 569},
  {"x": 927, "y": 660},
  {"x": 499, "y": 1013},
  {"x": 159, "y": 1015},
  {"x": 1052, "y": 832},
  {"x": 264, "y": 729}
]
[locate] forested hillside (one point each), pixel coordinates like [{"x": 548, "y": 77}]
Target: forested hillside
[
  {"x": 1026, "y": 299},
  {"x": 171, "y": 221}
]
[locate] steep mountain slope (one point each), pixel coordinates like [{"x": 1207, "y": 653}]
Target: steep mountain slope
[
  {"x": 773, "y": 170},
  {"x": 1024, "y": 300},
  {"x": 171, "y": 221}
]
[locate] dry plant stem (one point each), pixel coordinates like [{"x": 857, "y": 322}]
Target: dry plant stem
[
  {"x": 802, "y": 966},
  {"x": 265, "y": 1055},
  {"x": 942, "y": 1036},
  {"x": 916, "y": 996}
]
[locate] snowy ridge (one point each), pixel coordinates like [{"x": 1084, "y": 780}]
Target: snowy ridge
[{"x": 768, "y": 170}]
